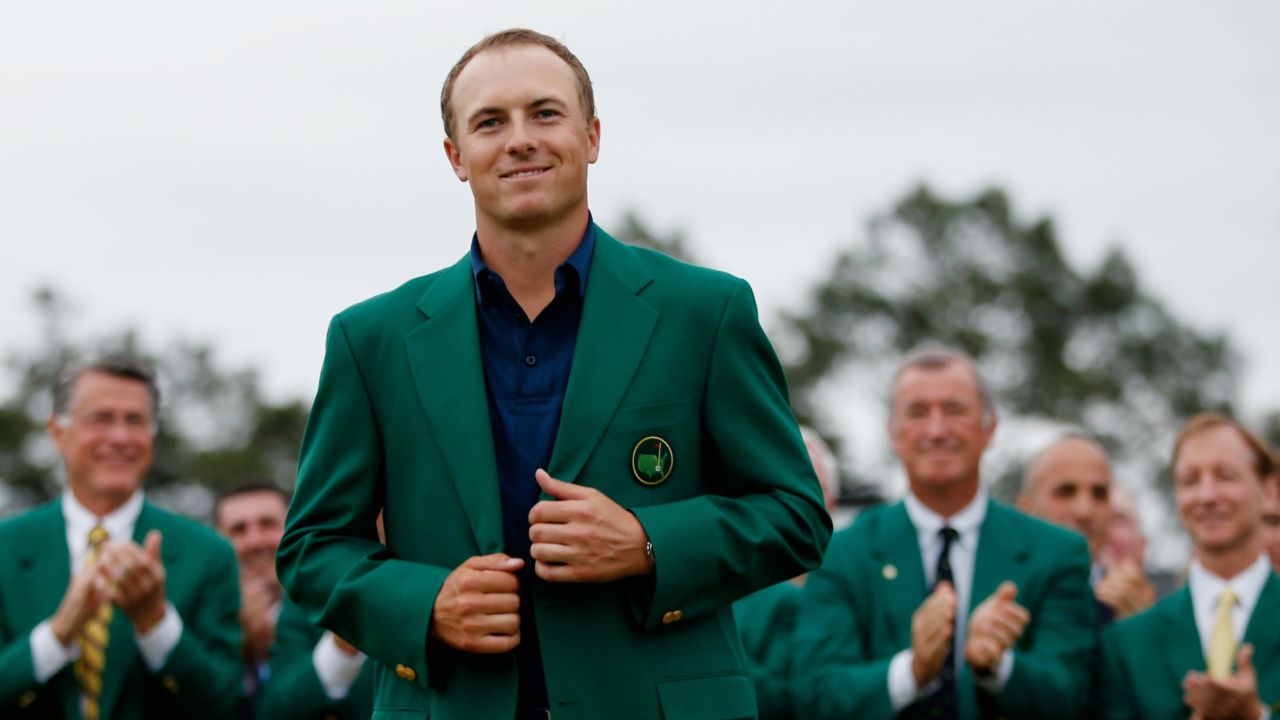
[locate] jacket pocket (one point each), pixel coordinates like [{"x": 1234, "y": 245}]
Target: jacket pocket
[{"x": 717, "y": 697}]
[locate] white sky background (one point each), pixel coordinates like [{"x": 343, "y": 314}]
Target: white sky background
[{"x": 239, "y": 171}]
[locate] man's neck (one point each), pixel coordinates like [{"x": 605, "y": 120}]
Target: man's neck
[
  {"x": 1227, "y": 563},
  {"x": 100, "y": 505},
  {"x": 526, "y": 258},
  {"x": 946, "y": 500}
]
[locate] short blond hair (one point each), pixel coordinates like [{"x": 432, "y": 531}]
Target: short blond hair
[{"x": 1264, "y": 461}]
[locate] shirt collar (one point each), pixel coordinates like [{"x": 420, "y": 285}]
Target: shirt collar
[
  {"x": 118, "y": 523},
  {"x": 1247, "y": 585},
  {"x": 576, "y": 264},
  {"x": 966, "y": 522}
]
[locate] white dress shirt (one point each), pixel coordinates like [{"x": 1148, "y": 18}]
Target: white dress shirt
[
  {"x": 336, "y": 669},
  {"x": 48, "y": 656},
  {"x": 964, "y": 551},
  {"x": 1206, "y": 588}
]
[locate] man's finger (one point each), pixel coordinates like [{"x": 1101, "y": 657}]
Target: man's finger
[
  {"x": 1007, "y": 591},
  {"x": 552, "y": 553},
  {"x": 1244, "y": 660},
  {"x": 152, "y": 544},
  {"x": 559, "y": 489},
  {"x": 553, "y": 512},
  {"x": 498, "y": 561}
]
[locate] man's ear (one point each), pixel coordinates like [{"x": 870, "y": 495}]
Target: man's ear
[
  {"x": 593, "y": 139},
  {"x": 454, "y": 155}
]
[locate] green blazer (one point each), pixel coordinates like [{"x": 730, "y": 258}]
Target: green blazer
[
  {"x": 766, "y": 621},
  {"x": 1145, "y": 657},
  {"x": 201, "y": 678},
  {"x": 856, "y": 615},
  {"x": 401, "y": 421},
  {"x": 292, "y": 690}
]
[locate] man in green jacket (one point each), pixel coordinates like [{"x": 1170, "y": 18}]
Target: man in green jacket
[
  {"x": 584, "y": 451},
  {"x": 109, "y": 606},
  {"x": 1212, "y": 649},
  {"x": 293, "y": 670},
  {"x": 947, "y": 604}
]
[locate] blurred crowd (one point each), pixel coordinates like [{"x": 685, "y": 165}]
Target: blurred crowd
[{"x": 944, "y": 604}]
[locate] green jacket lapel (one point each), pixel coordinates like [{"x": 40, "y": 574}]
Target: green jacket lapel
[
  {"x": 899, "y": 569},
  {"x": 444, "y": 356},
  {"x": 46, "y": 565},
  {"x": 1181, "y": 641},
  {"x": 612, "y": 336},
  {"x": 1263, "y": 631},
  {"x": 1000, "y": 549}
]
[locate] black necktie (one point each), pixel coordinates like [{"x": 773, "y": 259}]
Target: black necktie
[{"x": 943, "y": 703}]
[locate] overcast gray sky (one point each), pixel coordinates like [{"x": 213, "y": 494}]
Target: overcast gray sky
[{"x": 241, "y": 170}]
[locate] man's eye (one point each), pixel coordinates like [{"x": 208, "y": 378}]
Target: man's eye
[
  {"x": 545, "y": 113},
  {"x": 487, "y": 123}
]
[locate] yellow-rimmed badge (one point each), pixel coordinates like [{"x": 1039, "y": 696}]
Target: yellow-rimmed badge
[{"x": 652, "y": 461}]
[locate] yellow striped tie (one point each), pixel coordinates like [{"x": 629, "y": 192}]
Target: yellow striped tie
[
  {"x": 1222, "y": 643},
  {"x": 93, "y": 639}
]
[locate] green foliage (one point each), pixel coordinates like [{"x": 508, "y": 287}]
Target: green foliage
[
  {"x": 216, "y": 428},
  {"x": 1091, "y": 350},
  {"x": 634, "y": 231}
]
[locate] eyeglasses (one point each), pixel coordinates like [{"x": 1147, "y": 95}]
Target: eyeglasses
[{"x": 105, "y": 421}]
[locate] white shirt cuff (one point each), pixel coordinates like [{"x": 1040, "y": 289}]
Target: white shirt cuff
[
  {"x": 902, "y": 682},
  {"x": 996, "y": 681},
  {"x": 336, "y": 669},
  {"x": 156, "y": 645},
  {"x": 48, "y": 656}
]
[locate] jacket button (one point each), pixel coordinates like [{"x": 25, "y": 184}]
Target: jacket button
[
  {"x": 26, "y": 699},
  {"x": 406, "y": 673},
  {"x": 169, "y": 683}
]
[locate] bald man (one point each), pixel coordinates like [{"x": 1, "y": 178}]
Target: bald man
[{"x": 1069, "y": 484}]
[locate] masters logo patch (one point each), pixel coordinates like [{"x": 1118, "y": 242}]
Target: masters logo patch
[{"x": 652, "y": 461}]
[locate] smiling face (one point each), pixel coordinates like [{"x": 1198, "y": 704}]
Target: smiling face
[
  {"x": 253, "y": 522},
  {"x": 1219, "y": 494},
  {"x": 523, "y": 140},
  {"x": 106, "y": 439},
  {"x": 1069, "y": 484},
  {"x": 938, "y": 427}
]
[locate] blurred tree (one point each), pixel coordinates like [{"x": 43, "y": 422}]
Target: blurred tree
[
  {"x": 1092, "y": 350},
  {"x": 216, "y": 428},
  {"x": 634, "y": 231}
]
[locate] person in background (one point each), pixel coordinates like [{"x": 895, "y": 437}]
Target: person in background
[
  {"x": 109, "y": 606},
  {"x": 766, "y": 618},
  {"x": 947, "y": 604},
  {"x": 1271, "y": 519},
  {"x": 1069, "y": 483},
  {"x": 293, "y": 670},
  {"x": 1212, "y": 649}
]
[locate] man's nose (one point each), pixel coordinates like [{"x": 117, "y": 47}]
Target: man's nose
[
  {"x": 520, "y": 139},
  {"x": 935, "y": 423}
]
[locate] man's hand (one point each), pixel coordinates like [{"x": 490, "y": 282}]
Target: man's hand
[
  {"x": 478, "y": 608},
  {"x": 137, "y": 580},
  {"x": 994, "y": 627},
  {"x": 1234, "y": 698},
  {"x": 932, "y": 627},
  {"x": 344, "y": 646},
  {"x": 88, "y": 590},
  {"x": 583, "y": 536},
  {"x": 258, "y": 595},
  {"x": 1125, "y": 589}
]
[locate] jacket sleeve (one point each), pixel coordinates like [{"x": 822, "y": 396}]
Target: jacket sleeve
[
  {"x": 763, "y": 520},
  {"x": 203, "y": 672},
  {"x": 834, "y": 678},
  {"x": 330, "y": 560},
  {"x": 1051, "y": 667},
  {"x": 293, "y": 690}
]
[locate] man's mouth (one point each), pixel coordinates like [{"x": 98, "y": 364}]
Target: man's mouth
[{"x": 523, "y": 173}]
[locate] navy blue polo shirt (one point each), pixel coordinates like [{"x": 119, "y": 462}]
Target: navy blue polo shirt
[{"x": 526, "y": 371}]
